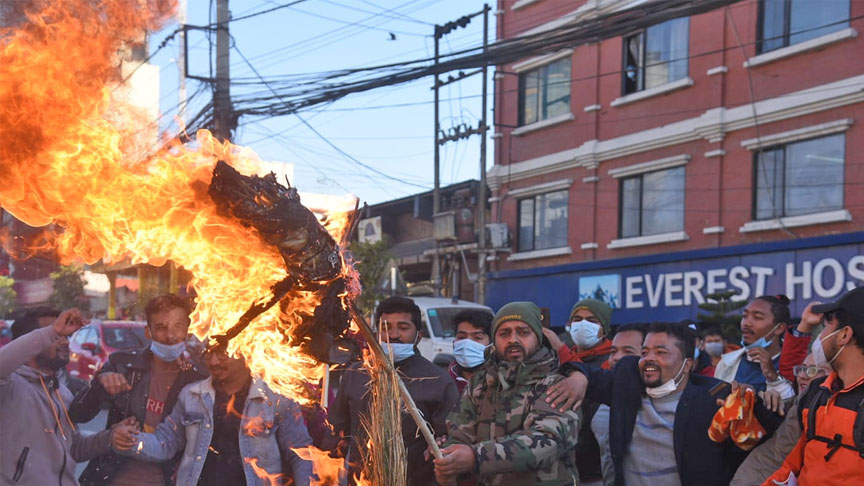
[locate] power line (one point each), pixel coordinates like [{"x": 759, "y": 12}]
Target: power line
[{"x": 327, "y": 141}]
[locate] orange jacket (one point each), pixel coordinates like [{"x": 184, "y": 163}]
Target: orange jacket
[{"x": 808, "y": 459}]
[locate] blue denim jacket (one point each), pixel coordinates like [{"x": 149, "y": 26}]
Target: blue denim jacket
[{"x": 271, "y": 426}]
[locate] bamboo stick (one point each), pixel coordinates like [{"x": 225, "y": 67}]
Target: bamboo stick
[{"x": 375, "y": 346}]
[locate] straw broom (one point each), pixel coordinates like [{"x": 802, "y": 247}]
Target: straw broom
[{"x": 385, "y": 461}]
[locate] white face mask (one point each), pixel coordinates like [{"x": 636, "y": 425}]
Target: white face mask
[
  {"x": 585, "y": 333},
  {"x": 469, "y": 354},
  {"x": 401, "y": 351},
  {"x": 667, "y": 388},
  {"x": 714, "y": 349},
  {"x": 819, "y": 358}
]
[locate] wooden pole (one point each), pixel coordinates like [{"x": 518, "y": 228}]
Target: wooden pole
[{"x": 375, "y": 346}]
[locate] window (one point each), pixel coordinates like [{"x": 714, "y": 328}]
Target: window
[
  {"x": 656, "y": 56},
  {"x": 652, "y": 203},
  {"x": 544, "y": 92},
  {"x": 786, "y": 22},
  {"x": 799, "y": 178},
  {"x": 543, "y": 221}
]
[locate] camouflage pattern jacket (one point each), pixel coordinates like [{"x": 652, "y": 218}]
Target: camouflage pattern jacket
[{"x": 518, "y": 438}]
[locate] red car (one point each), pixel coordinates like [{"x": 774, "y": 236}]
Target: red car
[{"x": 91, "y": 345}]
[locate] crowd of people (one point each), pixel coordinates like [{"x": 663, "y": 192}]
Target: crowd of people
[{"x": 627, "y": 404}]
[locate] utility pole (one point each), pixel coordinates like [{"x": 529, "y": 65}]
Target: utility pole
[
  {"x": 458, "y": 133},
  {"x": 223, "y": 113},
  {"x": 480, "y": 294},
  {"x": 181, "y": 63}
]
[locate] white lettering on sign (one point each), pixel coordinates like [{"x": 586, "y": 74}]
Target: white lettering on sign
[
  {"x": 633, "y": 291},
  {"x": 826, "y": 279}
]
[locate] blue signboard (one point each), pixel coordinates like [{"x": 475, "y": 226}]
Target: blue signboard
[{"x": 670, "y": 287}]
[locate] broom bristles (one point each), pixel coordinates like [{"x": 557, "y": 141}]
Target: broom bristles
[{"x": 385, "y": 457}]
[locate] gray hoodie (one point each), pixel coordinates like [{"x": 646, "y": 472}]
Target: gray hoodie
[{"x": 38, "y": 444}]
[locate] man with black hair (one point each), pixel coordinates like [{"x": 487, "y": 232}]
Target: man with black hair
[
  {"x": 757, "y": 363},
  {"x": 830, "y": 449},
  {"x": 398, "y": 322},
  {"x": 627, "y": 341},
  {"x": 660, "y": 412},
  {"x": 40, "y": 443},
  {"x": 144, "y": 384},
  {"x": 473, "y": 336},
  {"x": 715, "y": 346}
]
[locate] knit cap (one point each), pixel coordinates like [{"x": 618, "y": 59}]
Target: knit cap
[
  {"x": 600, "y": 309},
  {"x": 526, "y": 312}
]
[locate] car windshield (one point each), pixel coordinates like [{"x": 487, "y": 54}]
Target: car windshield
[
  {"x": 441, "y": 319},
  {"x": 125, "y": 337}
]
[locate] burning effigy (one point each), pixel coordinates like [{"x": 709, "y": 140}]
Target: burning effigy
[{"x": 73, "y": 161}]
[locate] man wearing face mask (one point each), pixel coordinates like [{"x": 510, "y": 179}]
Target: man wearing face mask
[
  {"x": 758, "y": 362},
  {"x": 473, "y": 338},
  {"x": 143, "y": 384},
  {"x": 830, "y": 449},
  {"x": 503, "y": 433},
  {"x": 589, "y": 327},
  {"x": 433, "y": 391},
  {"x": 660, "y": 412}
]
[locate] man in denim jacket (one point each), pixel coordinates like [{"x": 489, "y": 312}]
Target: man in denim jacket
[{"x": 228, "y": 426}]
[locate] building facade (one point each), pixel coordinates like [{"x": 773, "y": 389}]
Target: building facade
[{"x": 718, "y": 151}]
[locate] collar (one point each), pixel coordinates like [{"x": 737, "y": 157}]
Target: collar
[
  {"x": 32, "y": 374},
  {"x": 731, "y": 357},
  {"x": 832, "y": 383}
]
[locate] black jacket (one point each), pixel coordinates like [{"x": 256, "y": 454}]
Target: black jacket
[
  {"x": 135, "y": 366},
  {"x": 700, "y": 460},
  {"x": 434, "y": 393}
]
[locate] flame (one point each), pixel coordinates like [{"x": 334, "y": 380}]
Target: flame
[
  {"x": 73, "y": 154},
  {"x": 78, "y": 160},
  {"x": 270, "y": 479}
]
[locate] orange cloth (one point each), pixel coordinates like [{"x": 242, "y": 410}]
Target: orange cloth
[
  {"x": 737, "y": 421},
  {"x": 566, "y": 355}
]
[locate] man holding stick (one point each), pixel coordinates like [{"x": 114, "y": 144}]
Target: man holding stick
[
  {"x": 504, "y": 432},
  {"x": 432, "y": 389}
]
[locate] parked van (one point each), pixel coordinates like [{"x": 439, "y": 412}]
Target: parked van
[{"x": 437, "y": 333}]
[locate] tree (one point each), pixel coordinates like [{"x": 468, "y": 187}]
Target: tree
[
  {"x": 68, "y": 292},
  {"x": 7, "y": 296},
  {"x": 720, "y": 310},
  {"x": 372, "y": 259}
]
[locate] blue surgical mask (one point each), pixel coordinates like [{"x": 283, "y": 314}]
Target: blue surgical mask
[
  {"x": 167, "y": 352},
  {"x": 469, "y": 354},
  {"x": 761, "y": 342},
  {"x": 401, "y": 351}
]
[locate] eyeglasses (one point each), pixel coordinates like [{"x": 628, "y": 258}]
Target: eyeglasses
[{"x": 809, "y": 371}]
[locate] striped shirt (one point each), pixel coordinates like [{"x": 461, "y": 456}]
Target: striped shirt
[{"x": 650, "y": 461}]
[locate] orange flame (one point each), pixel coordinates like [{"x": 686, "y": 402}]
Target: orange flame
[
  {"x": 270, "y": 479},
  {"x": 77, "y": 159},
  {"x": 71, "y": 153}
]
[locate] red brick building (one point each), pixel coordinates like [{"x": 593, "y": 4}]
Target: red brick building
[{"x": 695, "y": 145}]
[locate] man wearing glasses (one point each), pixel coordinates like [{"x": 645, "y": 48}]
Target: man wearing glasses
[{"x": 430, "y": 386}]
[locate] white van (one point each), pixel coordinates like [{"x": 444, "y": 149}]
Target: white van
[{"x": 437, "y": 333}]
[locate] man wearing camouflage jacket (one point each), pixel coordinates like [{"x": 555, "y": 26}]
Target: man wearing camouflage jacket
[{"x": 503, "y": 431}]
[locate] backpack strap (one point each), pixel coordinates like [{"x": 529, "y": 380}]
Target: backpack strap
[
  {"x": 810, "y": 402},
  {"x": 858, "y": 429}
]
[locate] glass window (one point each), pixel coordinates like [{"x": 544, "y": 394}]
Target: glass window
[
  {"x": 543, "y": 221},
  {"x": 544, "y": 92},
  {"x": 652, "y": 203},
  {"x": 800, "y": 178},
  {"x": 441, "y": 319},
  {"x": 787, "y": 22},
  {"x": 124, "y": 337},
  {"x": 657, "y": 55}
]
